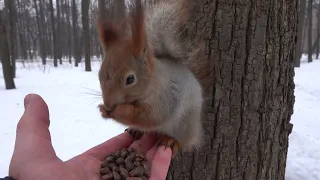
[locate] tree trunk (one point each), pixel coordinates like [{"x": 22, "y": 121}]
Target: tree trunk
[
  {"x": 42, "y": 43},
  {"x": 54, "y": 36},
  {"x": 11, "y": 5},
  {"x": 310, "y": 30},
  {"x": 69, "y": 31},
  {"x": 251, "y": 46},
  {"x": 101, "y": 12},
  {"x": 58, "y": 32},
  {"x": 318, "y": 30},
  {"x": 86, "y": 33},
  {"x": 302, "y": 12},
  {"x": 304, "y": 36},
  {"x": 76, "y": 45},
  {"x": 5, "y": 56}
]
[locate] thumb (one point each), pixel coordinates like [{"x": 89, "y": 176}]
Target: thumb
[{"x": 33, "y": 141}]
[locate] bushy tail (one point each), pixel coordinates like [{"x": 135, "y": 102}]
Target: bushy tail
[
  {"x": 166, "y": 25},
  {"x": 167, "y": 33}
]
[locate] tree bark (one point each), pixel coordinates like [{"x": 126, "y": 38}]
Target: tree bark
[
  {"x": 302, "y": 12},
  {"x": 86, "y": 33},
  {"x": 251, "y": 46},
  {"x": 310, "y": 30},
  {"x": 5, "y": 56}
]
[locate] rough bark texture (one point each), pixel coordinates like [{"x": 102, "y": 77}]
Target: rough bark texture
[{"x": 251, "y": 45}]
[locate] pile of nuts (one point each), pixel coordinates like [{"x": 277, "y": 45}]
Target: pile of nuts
[{"x": 125, "y": 164}]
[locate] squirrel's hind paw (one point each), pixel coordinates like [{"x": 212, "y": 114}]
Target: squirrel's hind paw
[
  {"x": 168, "y": 141},
  {"x": 135, "y": 134}
]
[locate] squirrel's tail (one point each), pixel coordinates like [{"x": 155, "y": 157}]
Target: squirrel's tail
[
  {"x": 167, "y": 31},
  {"x": 166, "y": 24}
]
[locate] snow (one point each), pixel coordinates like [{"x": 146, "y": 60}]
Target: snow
[
  {"x": 304, "y": 142},
  {"x": 76, "y": 125}
]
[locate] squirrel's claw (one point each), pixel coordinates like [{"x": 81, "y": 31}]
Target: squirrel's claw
[
  {"x": 168, "y": 141},
  {"x": 135, "y": 134}
]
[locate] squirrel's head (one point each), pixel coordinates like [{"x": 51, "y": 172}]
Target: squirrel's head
[{"x": 127, "y": 68}]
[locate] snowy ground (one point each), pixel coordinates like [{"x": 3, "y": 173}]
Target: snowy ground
[
  {"x": 304, "y": 143},
  {"x": 76, "y": 124}
]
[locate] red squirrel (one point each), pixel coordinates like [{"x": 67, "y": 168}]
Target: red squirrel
[{"x": 150, "y": 82}]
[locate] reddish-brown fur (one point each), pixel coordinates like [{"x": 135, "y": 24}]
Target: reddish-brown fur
[{"x": 124, "y": 52}]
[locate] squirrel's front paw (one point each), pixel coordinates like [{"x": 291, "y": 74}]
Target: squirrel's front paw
[
  {"x": 168, "y": 141},
  {"x": 124, "y": 113},
  {"x": 103, "y": 111}
]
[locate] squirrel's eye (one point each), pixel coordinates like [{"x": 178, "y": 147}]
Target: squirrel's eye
[{"x": 130, "y": 79}]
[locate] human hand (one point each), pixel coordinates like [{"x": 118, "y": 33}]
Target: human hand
[{"x": 34, "y": 157}]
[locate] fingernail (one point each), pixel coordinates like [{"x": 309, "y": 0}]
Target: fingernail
[{"x": 27, "y": 100}]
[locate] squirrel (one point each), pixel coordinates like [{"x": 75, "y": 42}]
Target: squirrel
[{"x": 150, "y": 80}]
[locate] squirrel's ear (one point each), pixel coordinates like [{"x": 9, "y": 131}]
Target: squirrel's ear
[
  {"x": 108, "y": 34},
  {"x": 138, "y": 28}
]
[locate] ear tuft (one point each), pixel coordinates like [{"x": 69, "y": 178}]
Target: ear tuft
[
  {"x": 138, "y": 27},
  {"x": 107, "y": 33}
]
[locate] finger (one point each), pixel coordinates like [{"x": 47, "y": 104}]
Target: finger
[
  {"x": 150, "y": 154},
  {"x": 160, "y": 163},
  {"x": 145, "y": 143},
  {"x": 33, "y": 141},
  {"x": 32, "y": 134},
  {"x": 116, "y": 143}
]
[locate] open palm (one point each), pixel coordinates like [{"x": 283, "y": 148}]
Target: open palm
[{"x": 34, "y": 157}]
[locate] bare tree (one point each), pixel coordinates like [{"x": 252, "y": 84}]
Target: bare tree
[
  {"x": 68, "y": 20},
  {"x": 77, "y": 52},
  {"x": 310, "y": 22},
  {"x": 54, "y": 35},
  {"x": 11, "y": 7},
  {"x": 318, "y": 29},
  {"x": 5, "y": 55},
  {"x": 302, "y": 10},
  {"x": 58, "y": 32},
  {"x": 42, "y": 44},
  {"x": 86, "y": 33}
]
